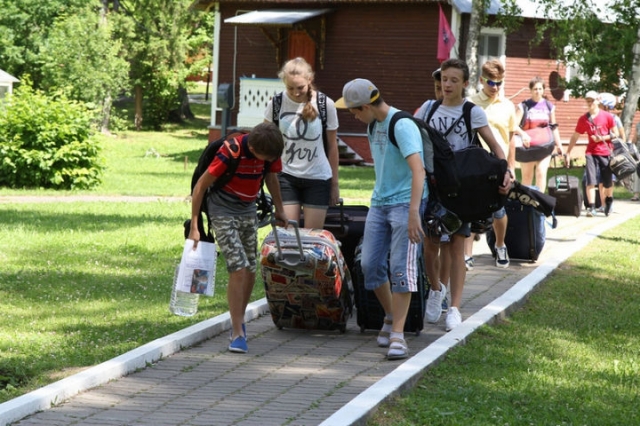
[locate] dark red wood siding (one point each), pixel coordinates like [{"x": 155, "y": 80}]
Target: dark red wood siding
[{"x": 394, "y": 46}]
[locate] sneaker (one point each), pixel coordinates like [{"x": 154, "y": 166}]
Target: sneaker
[
  {"x": 397, "y": 349},
  {"x": 434, "y": 304},
  {"x": 454, "y": 319},
  {"x": 502, "y": 257},
  {"x": 592, "y": 212},
  {"x": 607, "y": 205},
  {"x": 445, "y": 304},
  {"x": 600, "y": 209},
  {"x": 239, "y": 345},
  {"x": 244, "y": 332},
  {"x": 468, "y": 263}
]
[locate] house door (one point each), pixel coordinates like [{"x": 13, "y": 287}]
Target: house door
[{"x": 300, "y": 44}]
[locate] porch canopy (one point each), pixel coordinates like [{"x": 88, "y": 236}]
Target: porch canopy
[{"x": 279, "y": 18}]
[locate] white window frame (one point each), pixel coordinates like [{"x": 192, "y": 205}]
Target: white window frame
[{"x": 484, "y": 32}]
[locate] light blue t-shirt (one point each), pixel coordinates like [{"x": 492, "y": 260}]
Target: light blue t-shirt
[{"x": 393, "y": 175}]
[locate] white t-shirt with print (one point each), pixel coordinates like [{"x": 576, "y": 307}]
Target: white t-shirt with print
[
  {"x": 303, "y": 154},
  {"x": 445, "y": 116}
]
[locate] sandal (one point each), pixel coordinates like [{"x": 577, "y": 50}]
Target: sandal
[
  {"x": 397, "y": 349},
  {"x": 383, "y": 336}
]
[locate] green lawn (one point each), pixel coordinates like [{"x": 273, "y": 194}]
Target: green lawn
[
  {"x": 570, "y": 356},
  {"x": 82, "y": 282}
]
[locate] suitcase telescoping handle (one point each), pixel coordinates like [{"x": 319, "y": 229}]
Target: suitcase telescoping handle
[
  {"x": 566, "y": 169},
  {"x": 296, "y": 229}
]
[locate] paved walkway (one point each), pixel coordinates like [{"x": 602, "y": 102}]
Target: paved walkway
[{"x": 289, "y": 377}]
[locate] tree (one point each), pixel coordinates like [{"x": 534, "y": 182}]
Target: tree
[
  {"x": 478, "y": 17},
  {"x": 81, "y": 58},
  {"x": 24, "y": 27},
  {"x": 601, "y": 40},
  {"x": 159, "y": 36},
  {"x": 507, "y": 18}
]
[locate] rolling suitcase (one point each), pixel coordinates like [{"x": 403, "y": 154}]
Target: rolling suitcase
[
  {"x": 306, "y": 281},
  {"x": 566, "y": 190},
  {"x": 526, "y": 232},
  {"x": 369, "y": 312},
  {"x": 583, "y": 188},
  {"x": 346, "y": 223}
]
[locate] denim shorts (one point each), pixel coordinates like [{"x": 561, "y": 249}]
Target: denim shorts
[
  {"x": 236, "y": 237},
  {"x": 386, "y": 239},
  {"x": 314, "y": 193},
  {"x": 499, "y": 214}
]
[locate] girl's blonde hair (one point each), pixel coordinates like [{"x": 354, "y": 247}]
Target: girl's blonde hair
[{"x": 298, "y": 66}]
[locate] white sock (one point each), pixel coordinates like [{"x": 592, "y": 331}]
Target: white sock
[
  {"x": 396, "y": 335},
  {"x": 387, "y": 327}
]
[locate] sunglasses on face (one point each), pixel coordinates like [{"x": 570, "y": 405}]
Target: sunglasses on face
[{"x": 492, "y": 83}]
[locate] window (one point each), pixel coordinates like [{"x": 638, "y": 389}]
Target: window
[{"x": 491, "y": 45}]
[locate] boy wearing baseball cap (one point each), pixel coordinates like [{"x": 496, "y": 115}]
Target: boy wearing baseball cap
[
  {"x": 394, "y": 221},
  {"x": 599, "y": 126}
]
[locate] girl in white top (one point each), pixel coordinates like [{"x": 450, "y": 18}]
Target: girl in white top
[{"x": 309, "y": 178}]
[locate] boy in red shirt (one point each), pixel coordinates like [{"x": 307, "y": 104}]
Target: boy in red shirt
[
  {"x": 599, "y": 126},
  {"x": 232, "y": 214}
]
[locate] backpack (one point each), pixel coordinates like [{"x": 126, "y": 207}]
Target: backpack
[
  {"x": 206, "y": 158},
  {"x": 438, "y": 157},
  {"x": 321, "y": 99},
  {"x": 466, "y": 181}
]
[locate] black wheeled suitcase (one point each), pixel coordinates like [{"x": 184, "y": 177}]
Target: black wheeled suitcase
[
  {"x": 306, "y": 280},
  {"x": 346, "y": 223},
  {"x": 566, "y": 190},
  {"x": 526, "y": 232},
  {"x": 583, "y": 188},
  {"x": 369, "y": 312}
]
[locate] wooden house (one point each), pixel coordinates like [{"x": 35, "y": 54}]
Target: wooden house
[
  {"x": 391, "y": 42},
  {"x": 6, "y": 83}
]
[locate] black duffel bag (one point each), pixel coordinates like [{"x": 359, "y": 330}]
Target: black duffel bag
[{"x": 621, "y": 162}]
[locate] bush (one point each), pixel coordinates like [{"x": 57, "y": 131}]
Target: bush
[{"x": 47, "y": 142}]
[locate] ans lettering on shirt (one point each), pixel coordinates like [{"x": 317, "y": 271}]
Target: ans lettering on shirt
[{"x": 446, "y": 116}]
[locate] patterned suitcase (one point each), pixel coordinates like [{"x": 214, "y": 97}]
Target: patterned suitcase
[{"x": 306, "y": 280}]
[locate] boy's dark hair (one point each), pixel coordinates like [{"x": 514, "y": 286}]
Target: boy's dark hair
[
  {"x": 456, "y": 63},
  {"x": 266, "y": 139},
  {"x": 378, "y": 100}
]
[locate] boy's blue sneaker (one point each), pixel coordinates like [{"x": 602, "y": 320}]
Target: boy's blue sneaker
[
  {"x": 239, "y": 345},
  {"x": 244, "y": 331}
]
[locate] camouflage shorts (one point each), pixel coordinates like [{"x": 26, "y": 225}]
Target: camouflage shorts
[{"x": 237, "y": 238}]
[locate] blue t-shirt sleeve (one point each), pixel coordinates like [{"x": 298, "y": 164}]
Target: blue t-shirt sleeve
[{"x": 408, "y": 137}]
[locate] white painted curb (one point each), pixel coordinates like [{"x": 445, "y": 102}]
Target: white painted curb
[
  {"x": 406, "y": 375},
  {"x": 43, "y": 398}
]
